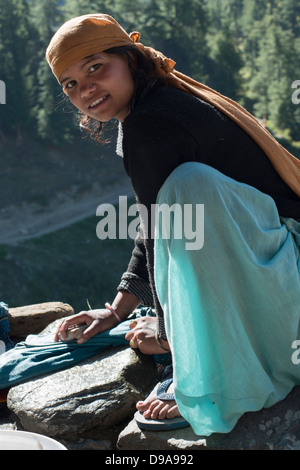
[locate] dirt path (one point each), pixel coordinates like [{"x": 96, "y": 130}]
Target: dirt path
[{"x": 32, "y": 221}]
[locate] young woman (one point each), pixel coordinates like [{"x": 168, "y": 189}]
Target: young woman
[{"x": 227, "y": 306}]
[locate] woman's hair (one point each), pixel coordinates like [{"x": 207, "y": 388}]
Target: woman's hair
[{"x": 144, "y": 76}]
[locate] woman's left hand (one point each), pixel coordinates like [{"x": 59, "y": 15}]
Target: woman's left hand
[{"x": 142, "y": 336}]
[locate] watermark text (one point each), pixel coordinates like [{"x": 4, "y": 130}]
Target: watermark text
[
  {"x": 295, "y": 95},
  {"x": 2, "y": 92},
  {"x": 178, "y": 221},
  {"x": 296, "y": 354}
]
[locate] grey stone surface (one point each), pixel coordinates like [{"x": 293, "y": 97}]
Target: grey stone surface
[
  {"x": 32, "y": 319},
  {"x": 275, "y": 428},
  {"x": 84, "y": 406},
  {"x": 86, "y": 400}
]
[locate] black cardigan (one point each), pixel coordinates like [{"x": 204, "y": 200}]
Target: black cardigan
[{"x": 167, "y": 128}]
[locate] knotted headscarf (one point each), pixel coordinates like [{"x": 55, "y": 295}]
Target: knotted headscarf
[{"x": 90, "y": 34}]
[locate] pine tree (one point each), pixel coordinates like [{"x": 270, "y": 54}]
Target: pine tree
[
  {"x": 225, "y": 71},
  {"x": 289, "y": 15},
  {"x": 15, "y": 53},
  {"x": 247, "y": 49},
  {"x": 270, "y": 87},
  {"x": 52, "y": 122},
  {"x": 74, "y": 8},
  {"x": 179, "y": 32}
]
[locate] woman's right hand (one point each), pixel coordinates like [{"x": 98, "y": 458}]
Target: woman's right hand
[{"x": 97, "y": 320}]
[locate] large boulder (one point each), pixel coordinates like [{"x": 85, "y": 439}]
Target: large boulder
[
  {"x": 275, "y": 428},
  {"x": 32, "y": 319},
  {"x": 87, "y": 402}
]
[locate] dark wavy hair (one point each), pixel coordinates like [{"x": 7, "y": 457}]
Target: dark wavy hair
[{"x": 144, "y": 76}]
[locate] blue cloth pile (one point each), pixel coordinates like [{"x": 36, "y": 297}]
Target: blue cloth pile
[
  {"x": 4, "y": 326},
  {"x": 40, "y": 354}
]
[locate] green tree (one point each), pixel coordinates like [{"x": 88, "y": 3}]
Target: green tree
[
  {"x": 179, "y": 32},
  {"x": 246, "y": 49},
  {"x": 51, "y": 121},
  {"x": 74, "y": 8},
  {"x": 225, "y": 70},
  {"x": 270, "y": 87},
  {"x": 225, "y": 12},
  {"x": 15, "y": 62},
  {"x": 289, "y": 15},
  {"x": 253, "y": 30}
]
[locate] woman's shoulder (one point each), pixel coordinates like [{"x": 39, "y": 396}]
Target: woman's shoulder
[
  {"x": 166, "y": 99},
  {"x": 169, "y": 104},
  {"x": 168, "y": 112},
  {"x": 157, "y": 115}
]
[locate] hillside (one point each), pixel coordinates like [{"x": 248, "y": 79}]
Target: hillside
[{"x": 48, "y": 244}]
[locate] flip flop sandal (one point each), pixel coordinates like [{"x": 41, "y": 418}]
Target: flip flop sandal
[{"x": 161, "y": 424}]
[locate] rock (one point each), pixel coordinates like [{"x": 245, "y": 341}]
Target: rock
[
  {"x": 7, "y": 421},
  {"x": 86, "y": 444},
  {"x": 88, "y": 400},
  {"x": 275, "y": 428},
  {"x": 32, "y": 319}
]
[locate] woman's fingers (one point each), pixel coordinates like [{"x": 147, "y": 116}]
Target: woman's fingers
[
  {"x": 133, "y": 330},
  {"x": 71, "y": 322},
  {"x": 133, "y": 344},
  {"x": 96, "y": 321},
  {"x": 133, "y": 324},
  {"x": 131, "y": 336},
  {"x": 142, "y": 335},
  {"x": 61, "y": 331},
  {"x": 87, "y": 334}
]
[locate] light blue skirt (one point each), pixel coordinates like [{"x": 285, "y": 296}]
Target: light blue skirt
[{"x": 231, "y": 305}]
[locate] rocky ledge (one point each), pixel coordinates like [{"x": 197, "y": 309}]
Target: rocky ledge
[{"x": 91, "y": 405}]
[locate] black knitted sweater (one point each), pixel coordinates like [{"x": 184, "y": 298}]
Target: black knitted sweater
[{"x": 167, "y": 128}]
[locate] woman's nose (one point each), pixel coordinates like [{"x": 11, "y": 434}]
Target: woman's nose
[{"x": 86, "y": 89}]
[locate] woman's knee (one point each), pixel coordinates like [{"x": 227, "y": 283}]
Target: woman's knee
[{"x": 189, "y": 179}]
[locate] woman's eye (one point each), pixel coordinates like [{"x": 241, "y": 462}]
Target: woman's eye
[
  {"x": 70, "y": 84},
  {"x": 94, "y": 67}
]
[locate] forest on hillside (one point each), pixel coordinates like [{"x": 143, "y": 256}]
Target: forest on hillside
[{"x": 246, "y": 49}]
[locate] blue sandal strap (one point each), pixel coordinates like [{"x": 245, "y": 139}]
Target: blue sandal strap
[{"x": 162, "y": 389}]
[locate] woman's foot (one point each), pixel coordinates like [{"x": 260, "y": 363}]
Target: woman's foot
[
  {"x": 154, "y": 408},
  {"x": 159, "y": 412}
]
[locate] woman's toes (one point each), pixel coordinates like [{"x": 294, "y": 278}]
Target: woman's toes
[
  {"x": 163, "y": 412},
  {"x": 153, "y": 408},
  {"x": 141, "y": 406},
  {"x": 173, "y": 412}
]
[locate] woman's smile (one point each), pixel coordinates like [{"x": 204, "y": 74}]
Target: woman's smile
[{"x": 98, "y": 101}]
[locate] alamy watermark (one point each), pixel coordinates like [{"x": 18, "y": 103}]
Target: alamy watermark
[
  {"x": 178, "y": 221},
  {"x": 295, "y": 95},
  {"x": 2, "y": 92},
  {"x": 296, "y": 354}
]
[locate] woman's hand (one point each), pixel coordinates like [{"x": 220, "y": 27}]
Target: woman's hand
[
  {"x": 96, "y": 320},
  {"x": 142, "y": 336}
]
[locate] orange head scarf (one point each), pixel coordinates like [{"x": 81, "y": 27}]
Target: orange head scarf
[{"x": 89, "y": 34}]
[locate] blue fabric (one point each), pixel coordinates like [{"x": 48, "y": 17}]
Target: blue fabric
[
  {"x": 231, "y": 307},
  {"x": 39, "y": 354},
  {"x": 4, "y": 326}
]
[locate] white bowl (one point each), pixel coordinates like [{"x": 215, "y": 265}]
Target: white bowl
[{"x": 23, "y": 440}]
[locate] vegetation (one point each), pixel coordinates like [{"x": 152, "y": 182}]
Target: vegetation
[{"x": 246, "y": 49}]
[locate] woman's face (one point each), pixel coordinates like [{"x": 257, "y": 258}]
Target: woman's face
[{"x": 100, "y": 86}]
